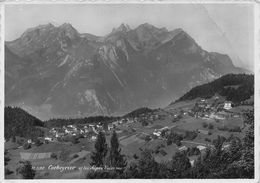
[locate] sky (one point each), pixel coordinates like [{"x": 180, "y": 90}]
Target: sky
[{"x": 224, "y": 28}]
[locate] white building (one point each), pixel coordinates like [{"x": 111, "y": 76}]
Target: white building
[
  {"x": 225, "y": 146},
  {"x": 48, "y": 139},
  {"x": 227, "y": 105},
  {"x": 192, "y": 162},
  {"x": 183, "y": 148},
  {"x": 93, "y": 138},
  {"x": 200, "y": 147},
  {"x": 158, "y": 134},
  {"x": 110, "y": 127}
]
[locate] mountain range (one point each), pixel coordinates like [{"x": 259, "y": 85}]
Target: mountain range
[{"x": 56, "y": 71}]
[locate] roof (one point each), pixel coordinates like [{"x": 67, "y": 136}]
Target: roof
[
  {"x": 200, "y": 147},
  {"x": 183, "y": 148}
]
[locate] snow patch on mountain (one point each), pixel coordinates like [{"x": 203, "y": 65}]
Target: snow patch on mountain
[{"x": 64, "y": 61}]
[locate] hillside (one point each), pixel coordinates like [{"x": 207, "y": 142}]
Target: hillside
[
  {"x": 20, "y": 123},
  {"x": 58, "y": 122},
  {"x": 138, "y": 112},
  {"x": 235, "y": 87},
  {"x": 55, "y": 71}
]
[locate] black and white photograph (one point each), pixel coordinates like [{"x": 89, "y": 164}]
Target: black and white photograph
[{"x": 129, "y": 90}]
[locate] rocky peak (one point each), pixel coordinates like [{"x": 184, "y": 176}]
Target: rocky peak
[
  {"x": 147, "y": 26},
  {"x": 122, "y": 28},
  {"x": 69, "y": 30},
  {"x": 35, "y": 31}
]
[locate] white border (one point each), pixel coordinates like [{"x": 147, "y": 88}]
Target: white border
[
  {"x": 2, "y": 98},
  {"x": 68, "y": 2}
]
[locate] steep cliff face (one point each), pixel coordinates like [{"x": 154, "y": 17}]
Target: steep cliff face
[{"x": 82, "y": 74}]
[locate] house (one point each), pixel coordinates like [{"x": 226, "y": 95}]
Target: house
[
  {"x": 48, "y": 139},
  {"x": 59, "y": 134},
  {"x": 200, "y": 147},
  {"x": 116, "y": 123},
  {"x": 93, "y": 137},
  {"x": 67, "y": 131},
  {"x": 110, "y": 127},
  {"x": 208, "y": 106},
  {"x": 192, "y": 162},
  {"x": 216, "y": 116},
  {"x": 81, "y": 131},
  {"x": 99, "y": 126},
  {"x": 225, "y": 146},
  {"x": 157, "y": 133},
  {"x": 164, "y": 128},
  {"x": 236, "y": 116},
  {"x": 227, "y": 105},
  {"x": 216, "y": 97},
  {"x": 183, "y": 148}
]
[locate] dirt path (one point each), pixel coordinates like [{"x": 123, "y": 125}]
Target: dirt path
[{"x": 197, "y": 143}]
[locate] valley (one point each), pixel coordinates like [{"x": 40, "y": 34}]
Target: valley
[{"x": 185, "y": 126}]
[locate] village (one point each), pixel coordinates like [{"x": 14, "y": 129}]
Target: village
[{"x": 214, "y": 109}]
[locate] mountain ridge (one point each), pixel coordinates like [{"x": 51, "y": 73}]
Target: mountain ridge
[{"x": 83, "y": 74}]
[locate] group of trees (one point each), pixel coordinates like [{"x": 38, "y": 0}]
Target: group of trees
[
  {"x": 59, "y": 122},
  {"x": 244, "y": 88},
  {"x": 138, "y": 112},
  {"x": 109, "y": 159},
  {"x": 20, "y": 123},
  {"x": 210, "y": 126},
  {"x": 173, "y": 137},
  {"x": 230, "y": 129},
  {"x": 25, "y": 170}
]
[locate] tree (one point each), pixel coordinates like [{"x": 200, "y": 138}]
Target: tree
[
  {"x": 199, "y": 170},
  {"x": 147, "y": 138},
  {"x": 116, "y": 159},
  {"x": 179, "y": 165},
  {"x": 54, "y": 155},
  {"x": 74, "y": 140},
  {"x": 64, "y": 155},
  {"x": 131, "y": 170},
  {"x": 147, "y": 166},
  {"x": 99, "y": 155},
  {"x": 8, "y": 172},
  {"x": 246, "y": 162},
  {"x": 13, "y": 139},
  {"x": 38, "y": 142},
  {"x": 25, "y": 169},
  {"x": 235, "y": 149},
  {"x": 26, "y": 146},
  {"x": 211, "y": 126}
]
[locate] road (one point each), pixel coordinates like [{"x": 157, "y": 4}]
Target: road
[{"x": 197, "y": 143}]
